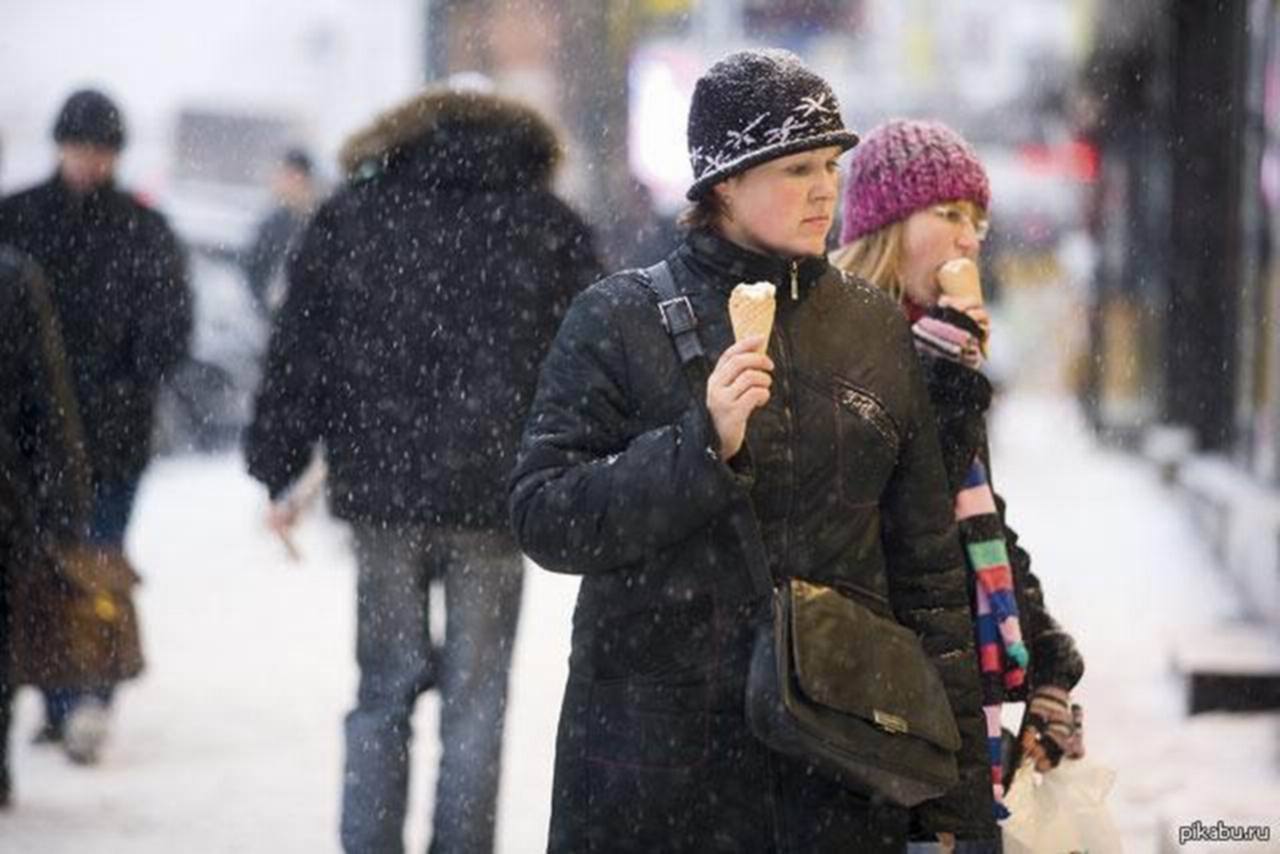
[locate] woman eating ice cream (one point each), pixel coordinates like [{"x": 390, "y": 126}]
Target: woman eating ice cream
[
  {"x": 914, "y": 218},
  {"x": 629, "y": 474}
]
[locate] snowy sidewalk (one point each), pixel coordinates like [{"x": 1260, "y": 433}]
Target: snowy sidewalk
[
  {"x": 232, "y": 740},
  {"x": 1126, "y": 572}
]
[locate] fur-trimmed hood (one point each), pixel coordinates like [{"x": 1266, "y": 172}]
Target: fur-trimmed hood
[{"x": 457, "y": 138}]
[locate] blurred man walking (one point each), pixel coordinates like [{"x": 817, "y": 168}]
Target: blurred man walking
[
  {"x": 419, "y": 305},
  {"x": 118, "y": 284}
]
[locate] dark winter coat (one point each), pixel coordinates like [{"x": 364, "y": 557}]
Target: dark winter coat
[
  {"x": 420, "y": 302},
  {"x": 961, "y": 397},
  {"x": 619, "y": 480},
  {"x": 276, "y": 236},
  {"x": 118, "y": 282},
  {"x": 35, "y": 457},
  {"x": 36, "y": 505}
]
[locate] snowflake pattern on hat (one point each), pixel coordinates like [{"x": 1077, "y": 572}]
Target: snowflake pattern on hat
[
  {"x": 735, "y": 140},
  {"x": 810, "y": 105},
  {"x": 784, "y": 131},
  {"x": 741, "y": 138}
]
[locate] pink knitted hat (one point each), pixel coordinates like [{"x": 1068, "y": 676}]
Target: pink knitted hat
[{"x": 903, "y": 166}]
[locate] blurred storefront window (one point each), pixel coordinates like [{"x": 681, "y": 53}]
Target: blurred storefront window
[{"x": 1258, "y": 410}]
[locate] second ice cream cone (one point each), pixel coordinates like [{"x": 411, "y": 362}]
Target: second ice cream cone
[{"x": 959, "y": 278}]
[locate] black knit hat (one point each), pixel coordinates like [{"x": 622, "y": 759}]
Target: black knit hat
[
  {"x": 758, "y": 105},
  {"x": 89, "y": 116},
  {"x": 298, "y": 160}
]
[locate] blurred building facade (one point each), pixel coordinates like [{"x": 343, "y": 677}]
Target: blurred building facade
[{"x": 1184, "y": 105}]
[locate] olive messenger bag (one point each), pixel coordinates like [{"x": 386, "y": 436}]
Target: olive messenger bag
[
  {"x": 835, "y": 680},
  {"x": 74, "y": 620}
]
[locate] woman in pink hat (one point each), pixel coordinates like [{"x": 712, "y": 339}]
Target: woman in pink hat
[{"x": 915, "y": 215}]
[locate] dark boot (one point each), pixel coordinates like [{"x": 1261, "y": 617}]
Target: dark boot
[{"x": 47, "y": 734}]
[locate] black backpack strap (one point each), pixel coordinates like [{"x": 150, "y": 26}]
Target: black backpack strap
[{"x": 681, "y": 324}]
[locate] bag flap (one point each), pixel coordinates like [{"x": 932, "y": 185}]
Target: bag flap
[
  {"x": 848, "y": 658},
  {"x": 97, "y": 569}
]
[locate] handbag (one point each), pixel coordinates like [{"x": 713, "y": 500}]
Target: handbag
[
  {"x": 834, "y": 681},
  {"x": 74, "y": 621},
  {"x": 852, "y": 693}
]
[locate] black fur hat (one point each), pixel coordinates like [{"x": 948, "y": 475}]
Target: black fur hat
[{"x": 757, "y": 105}]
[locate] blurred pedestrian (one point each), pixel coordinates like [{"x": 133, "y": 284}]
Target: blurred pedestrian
[
  {"x": 915, "y": 215},
  {"x": 35, "y": 500},
  {"x": 631, "y": 474},
  {"x": 293, "y": 190},
  {"x": 421, "y": 299},
  {"x": 119, "y": 292}
]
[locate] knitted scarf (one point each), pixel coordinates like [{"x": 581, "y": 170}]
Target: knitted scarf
[{"x": 1002, "y": 655}]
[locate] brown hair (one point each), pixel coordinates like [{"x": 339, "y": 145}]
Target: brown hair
[
  {"x": 705, "y": 214},
  {"x": 875, "y": 257}
]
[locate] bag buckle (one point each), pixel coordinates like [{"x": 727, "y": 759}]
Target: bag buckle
[
  {"x": 889, "y": 722},
  {"x": 678, "y": 316}
]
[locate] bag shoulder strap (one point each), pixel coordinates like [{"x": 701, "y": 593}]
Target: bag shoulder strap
[
  {"x": 681, "y": 323},
  {"x": 59, "y": 378}
]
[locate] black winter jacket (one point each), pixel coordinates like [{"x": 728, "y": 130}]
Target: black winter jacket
[
  {"x": 118, "y": 281},
  {"x": 420, "y": 302},
  {"x": 274, "y": 240},
  {"x": 36, "y": 501},
  {"x": 619, "y": 480},
  {"x": 34, "y": 456}
]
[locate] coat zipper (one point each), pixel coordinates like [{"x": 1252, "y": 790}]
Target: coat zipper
[
  {"x": 788, "y": 420},
  {"x": 784, "y": 370},
  {"x": 788, "y": 417}
]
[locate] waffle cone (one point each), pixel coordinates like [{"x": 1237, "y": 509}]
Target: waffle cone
[
  {"x": 751, "y": 310},
  {"x": 959, "y": 278}
]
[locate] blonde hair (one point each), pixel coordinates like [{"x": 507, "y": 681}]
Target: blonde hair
[{"x": 875, "y": 257}]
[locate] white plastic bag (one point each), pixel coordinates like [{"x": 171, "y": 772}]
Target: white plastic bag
[{"x": 1063, "y": 811}]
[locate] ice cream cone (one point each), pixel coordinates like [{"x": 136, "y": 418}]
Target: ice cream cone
[
  {"x": 751, "y": 310},
  {"x": 959, "y": 278}
]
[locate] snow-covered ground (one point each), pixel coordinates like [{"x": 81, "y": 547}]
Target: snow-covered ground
[
  {"x": 1127, "y": 573},
  {"x": 232, "y": 740}
]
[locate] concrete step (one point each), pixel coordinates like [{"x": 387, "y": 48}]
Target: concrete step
[
  {"x": 1241, "y": 518},
  {"x": 1232, "y": 667}
]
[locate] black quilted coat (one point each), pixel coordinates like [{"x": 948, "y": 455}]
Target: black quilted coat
[{"x": 619, "y": 481}]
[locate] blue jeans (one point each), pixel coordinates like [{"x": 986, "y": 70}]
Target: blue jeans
[
  {"x": 482, "y": 575},
  {"x": 112, "y": 507}
]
